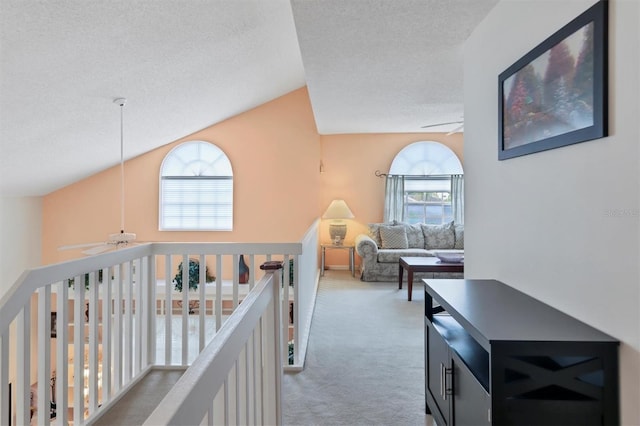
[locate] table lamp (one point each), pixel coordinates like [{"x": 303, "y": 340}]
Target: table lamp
[{"x": 337, "y": 211}]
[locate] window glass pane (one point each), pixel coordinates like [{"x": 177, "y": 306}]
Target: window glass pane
[
  {"x": 433, "y": 208},
  {"x": 196, "y": 190}
]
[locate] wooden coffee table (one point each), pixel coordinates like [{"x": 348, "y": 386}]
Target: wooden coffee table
[{"x": 423, "y": 264}]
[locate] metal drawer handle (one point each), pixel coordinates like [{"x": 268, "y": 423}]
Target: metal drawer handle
[{"x": 447, "y": 390}]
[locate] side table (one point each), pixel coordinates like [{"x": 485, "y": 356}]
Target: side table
[
  {"x": 351, "y": 249},
  {"x": 423, "y": 264}
]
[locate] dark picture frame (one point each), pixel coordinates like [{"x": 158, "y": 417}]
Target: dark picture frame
[
  {"x": 54, "y": 325},
  {"x": 556, "y": 95}
]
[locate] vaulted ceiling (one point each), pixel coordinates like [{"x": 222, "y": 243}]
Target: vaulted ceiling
[{"x": 371, "y": 66}]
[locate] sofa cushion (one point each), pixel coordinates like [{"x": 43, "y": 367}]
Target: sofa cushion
[
  {"x": 439, "y": 236},
  {"x": 393, "y": 237},
  {"x": 458, "y": 230},
  {"x": 393, "y": 255},
  {"x": 415, "y": 236}
]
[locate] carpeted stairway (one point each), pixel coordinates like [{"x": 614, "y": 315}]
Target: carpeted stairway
[{"x": 365, "y": 360}]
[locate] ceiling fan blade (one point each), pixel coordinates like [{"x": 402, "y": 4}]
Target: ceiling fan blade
[
  {"x": 77, "y": 246},
  {"x": 442, "y": 124},
  {"x": 456, "y": 130},
  {"x": 99, "y": 249}
]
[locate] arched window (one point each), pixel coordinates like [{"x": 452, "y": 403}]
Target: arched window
[
  {"x": 196, "y": 189},
  {"x": 430, "y": 171}
]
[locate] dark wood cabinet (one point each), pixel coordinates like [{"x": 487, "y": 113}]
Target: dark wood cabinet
[{"x": 495, "y": 356}]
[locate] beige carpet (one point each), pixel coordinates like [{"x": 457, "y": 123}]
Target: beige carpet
[{"x": 365, "y": 360}]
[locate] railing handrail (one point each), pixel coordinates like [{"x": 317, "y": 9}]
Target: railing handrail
[
  {"x": 32, "y": 279},
  {"x": 182, "y": 401}
]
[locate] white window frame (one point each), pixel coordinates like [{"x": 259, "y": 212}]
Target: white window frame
[{"x": 198, "y": 179}]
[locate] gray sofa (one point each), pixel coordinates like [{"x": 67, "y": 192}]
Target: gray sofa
[{"x": 382, "y": 248}]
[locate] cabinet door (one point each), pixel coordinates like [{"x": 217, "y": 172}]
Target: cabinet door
[
  {"x": 438, "y": 363},
  {"x": 471, "y": 403}
]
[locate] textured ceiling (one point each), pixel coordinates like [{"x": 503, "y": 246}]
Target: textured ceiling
[{"x": 183, "y": 65}]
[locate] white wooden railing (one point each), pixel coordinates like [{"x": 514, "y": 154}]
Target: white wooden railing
[
  {"x": 95, "y": 352},
  {"x": 237, "y": 378}
]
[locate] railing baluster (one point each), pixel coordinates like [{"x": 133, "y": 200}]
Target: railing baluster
[
  {"x": 284, "y": 320},
  {"x": 218, "y": 291},
  {"x": 106, "y": 334},
  {"x": 247, "y": 384},
  {"x": 185, "y": 309},
  {"x": 117, "y": 328},
  {"x": 236, "y": 280},
  {"x": 226, "y": 402},
  {"x": 78, "y": 349},
  {"x": 62, "y": 352},
  {"x": 4, "y": 372},
  {"x": 138, "y": 318},
  {"x": 168, "y": 311},
  {"x": 202, "y": 282},
  {"x": 128, "y": 322},
  {"x": 44, "y": 354},
  {"x": 152, "y": 312},
  {"x": 252, "y": 275},
  {"x": 262, "y": 369},
  {"x": 256, "y": 372},
  {"x": 23, "y": 363},
  {"x": 237, "y": 392},
  {"x": 94, "y": 309}
]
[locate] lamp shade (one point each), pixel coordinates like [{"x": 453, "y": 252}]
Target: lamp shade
[{"x": 338, "y": 209}]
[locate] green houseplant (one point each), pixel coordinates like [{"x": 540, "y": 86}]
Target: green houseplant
[
  {"x": 194, "y": 275},
  {"x": 290, "y": 274}
]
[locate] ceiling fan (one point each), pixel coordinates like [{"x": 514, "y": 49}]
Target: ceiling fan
[
  {"x": 458, "y": 128},
  {"x": 120, "y": 239}
]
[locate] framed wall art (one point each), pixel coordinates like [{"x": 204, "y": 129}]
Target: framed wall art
[{"x": 556, "y": 95}]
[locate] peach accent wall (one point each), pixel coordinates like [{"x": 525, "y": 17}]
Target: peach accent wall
[
  {"x": 274, "y": 151},
  {"x": 350, "y": 162}
]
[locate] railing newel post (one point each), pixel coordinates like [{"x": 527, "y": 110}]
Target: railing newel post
[{"x": 274, "y": 267}]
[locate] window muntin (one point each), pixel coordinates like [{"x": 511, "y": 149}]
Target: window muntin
[{"x": 196, "y": 189}]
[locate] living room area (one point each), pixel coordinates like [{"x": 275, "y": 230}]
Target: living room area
[{"x": 561, "y": 225}]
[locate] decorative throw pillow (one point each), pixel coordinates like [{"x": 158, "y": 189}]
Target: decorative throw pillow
[
  {"x": 459, "y": 236},
  {"x": 439, "y": 236},
  {"x": 374, "y": 231},
  {"x": 415, "y": 237},
  {"x": 393, "y": 237}
]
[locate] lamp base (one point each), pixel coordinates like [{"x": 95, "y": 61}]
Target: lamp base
[{"x": 337, "y": 231}]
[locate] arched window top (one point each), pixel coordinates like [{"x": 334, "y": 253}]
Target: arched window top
[
  {"x": 196, "y": 158},
  {"x": 426, "y": 158}
]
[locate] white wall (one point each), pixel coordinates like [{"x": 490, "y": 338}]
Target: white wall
[
  {"x": 561, "y": 225},
  {"x": 20, "y": 237}
]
